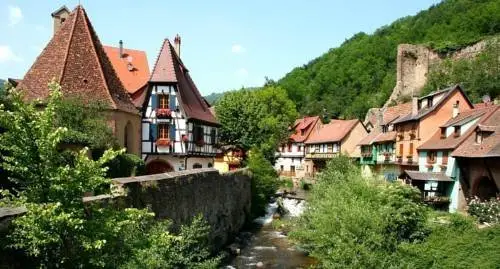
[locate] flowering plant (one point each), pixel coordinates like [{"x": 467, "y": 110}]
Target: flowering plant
[
  {"x": 163, "y": 112},
  {"x": 165, "y": 142},
  {"x": 485, "y": 211}
]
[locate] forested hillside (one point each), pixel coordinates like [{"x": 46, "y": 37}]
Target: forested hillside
[{"x": 361, "y": 73}]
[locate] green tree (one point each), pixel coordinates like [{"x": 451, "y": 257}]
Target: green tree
[
  {"x": 264, "y": 181},
  {"x": 256, "y": 118},
  {"x": 60, "y": 230}
]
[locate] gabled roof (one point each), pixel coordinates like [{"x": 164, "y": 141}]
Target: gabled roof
[
  {"x": 169, "y": 69},
  {"x": 74, "y": 57},
  {"x": 427, "y": 110},
  {"x": 451, "y": 141},
  {"x": 59, "y": 10},
  {"x": 132, "y": 68},
  {"x": 385, "y": 137},
  {"x": 334, "y": 131},
  {"x": 368, "y": 140},
  {"x": 490, "y": 146},
  {"x": 306, "y": 124}
]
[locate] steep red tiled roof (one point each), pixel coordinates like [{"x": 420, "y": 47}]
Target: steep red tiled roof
[
  {"x": 334, "y": 131},
  {"x": 74, "y": 57},
  {"x": 132, "y": 68},
  {"x": 451, "y": 141},
  {"x": 490, "y": 146},
  {"x": 170, "y": 69},
  {"x": 306, "y": 124}
]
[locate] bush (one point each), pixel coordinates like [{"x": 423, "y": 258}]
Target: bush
[
  {"x": 126, "y": 165},
  {"x": 356, "y": 223},
  {"x": 485, "y": 211},
  {"x": 264, "y": 182}
]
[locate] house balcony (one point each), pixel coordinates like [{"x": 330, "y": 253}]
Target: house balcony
[
  {"x": 388, "y": 157},
  {"x": 367, "y": 158},
  {"x": 318, "y": 155},
  {"x": 287, "y": 173}
]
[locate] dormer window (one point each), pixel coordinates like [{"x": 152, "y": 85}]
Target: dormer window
[
  {"x": 431, "y": 157},
  {"x": 479, "y": 137},
  {"x": 443, "y": 132},
  {"x": 456, "y": 132},
  {"x": 385, "y": 128},
  {"x": 302, "y": 132},
  {"x": 429, "y": 102}
]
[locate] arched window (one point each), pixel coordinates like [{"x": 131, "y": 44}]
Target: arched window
[
  {"x": 210, "y": 165},
  {"x": 197, "y": 166}
]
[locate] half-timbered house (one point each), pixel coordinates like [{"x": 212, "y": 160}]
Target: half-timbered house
[{"x": 178, "y": 130}]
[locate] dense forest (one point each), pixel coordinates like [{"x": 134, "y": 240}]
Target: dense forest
[{"x": 361, "y": 73}]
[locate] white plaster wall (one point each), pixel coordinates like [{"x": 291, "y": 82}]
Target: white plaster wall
[
  {"x": 203, "y": 161},
  {"x": 287, "y": 162}
]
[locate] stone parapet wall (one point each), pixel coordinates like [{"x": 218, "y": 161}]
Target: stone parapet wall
[{"x": 223, "y": 199}]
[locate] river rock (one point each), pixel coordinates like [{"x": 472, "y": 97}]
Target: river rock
[
  {"x": 234, "y": 249},
  {"x": 260, "y": 265}
]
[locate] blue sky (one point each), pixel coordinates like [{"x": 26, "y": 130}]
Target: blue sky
[{"x": 225, "y": 44}]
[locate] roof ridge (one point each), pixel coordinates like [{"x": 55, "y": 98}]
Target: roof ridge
[
  {"x": 65, "y": 61},
  {"x": 92, "y": 41}
]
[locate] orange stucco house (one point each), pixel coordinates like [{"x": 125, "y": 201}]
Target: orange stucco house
[{"x": 428, "y": 113}]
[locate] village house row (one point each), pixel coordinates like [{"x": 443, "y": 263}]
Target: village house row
[
  {"x": 440, "y": 143},
  {"x": 158, "y": 115}
]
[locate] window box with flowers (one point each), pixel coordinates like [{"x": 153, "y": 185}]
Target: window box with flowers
[
  {"x": 387, "y": 156},
  {"x": 401, "y": 136},
  {"x": 366, "y": 154},
  {"x": 409, "y": 158},
  {"x": 163, "y": 142},
  {"x": 200, "y": 143},
  {"x": 413, "y": 134},
  {"x": 184, "y": 138},
  {"x": 163, "y": 113},
  {"x": 399, "y": 158}
]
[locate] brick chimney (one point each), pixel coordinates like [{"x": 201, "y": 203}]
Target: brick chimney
[
  {"x": 177, "y": 45},
  {"x": 380, "y": 120},
  {"x": 59, "y": 16},
  {"x": 414, "y": 106}
]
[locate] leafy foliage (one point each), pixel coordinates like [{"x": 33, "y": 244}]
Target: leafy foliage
[
  {"x": 60, "y": 230},
  {"x": 361, "y": 73},
  {"x": 356, "y": 223},
  {"x": 126, "y": 165},
  {"x": 256, "y": 118},
  {"x": 264, "y": 182}
]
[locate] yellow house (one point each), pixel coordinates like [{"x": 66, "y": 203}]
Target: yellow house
[{"x": 229, "y": 158}]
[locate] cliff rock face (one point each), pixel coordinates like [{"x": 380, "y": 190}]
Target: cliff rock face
[{"x": 414, "y": 63}]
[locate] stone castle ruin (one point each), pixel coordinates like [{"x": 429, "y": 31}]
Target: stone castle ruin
[{"x": 414, "y": 63}]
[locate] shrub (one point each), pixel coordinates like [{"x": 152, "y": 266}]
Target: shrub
[
  {"x": 126, "y": 165},
  {"x": 356, "y": 223},
  {"x": 485, "y": 211},
  {"x": 264, "y": 182}
]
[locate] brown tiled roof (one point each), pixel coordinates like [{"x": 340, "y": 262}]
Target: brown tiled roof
[
  {"x": 334, "y": 131},
  {"x": 368, "y": 140},
  {"x": 74, "y": 57},
  {"x": 486, "y": 128},
  {"x": 306, "y": 124},
  {"x": 385, "y": 137},
  {"x": 393, "y": 112},
  {"x": 132, "y": 68},
  {"x": 425, "y": 111},
  {"x": 490, "y": 146},
  {"x": 451, "y": 142},
  {"x": 169, "y": 69},
  {"x": 434, "y": 176}
]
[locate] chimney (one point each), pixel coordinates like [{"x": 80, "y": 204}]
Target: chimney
[
  {"x": 380, "y": 120},
  {"x": 59, "y": 16},
  {"x": 121, "y": 48},
  {"x": 414, "y": 106},
  {"x": 456, "y": 111},
  {"x": 177, "y": 45}
]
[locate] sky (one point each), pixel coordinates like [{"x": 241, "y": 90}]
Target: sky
[{"x": 225, "y": 44}]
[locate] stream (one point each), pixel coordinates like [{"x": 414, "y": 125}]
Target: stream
[{"x": 267, "y": 248}]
